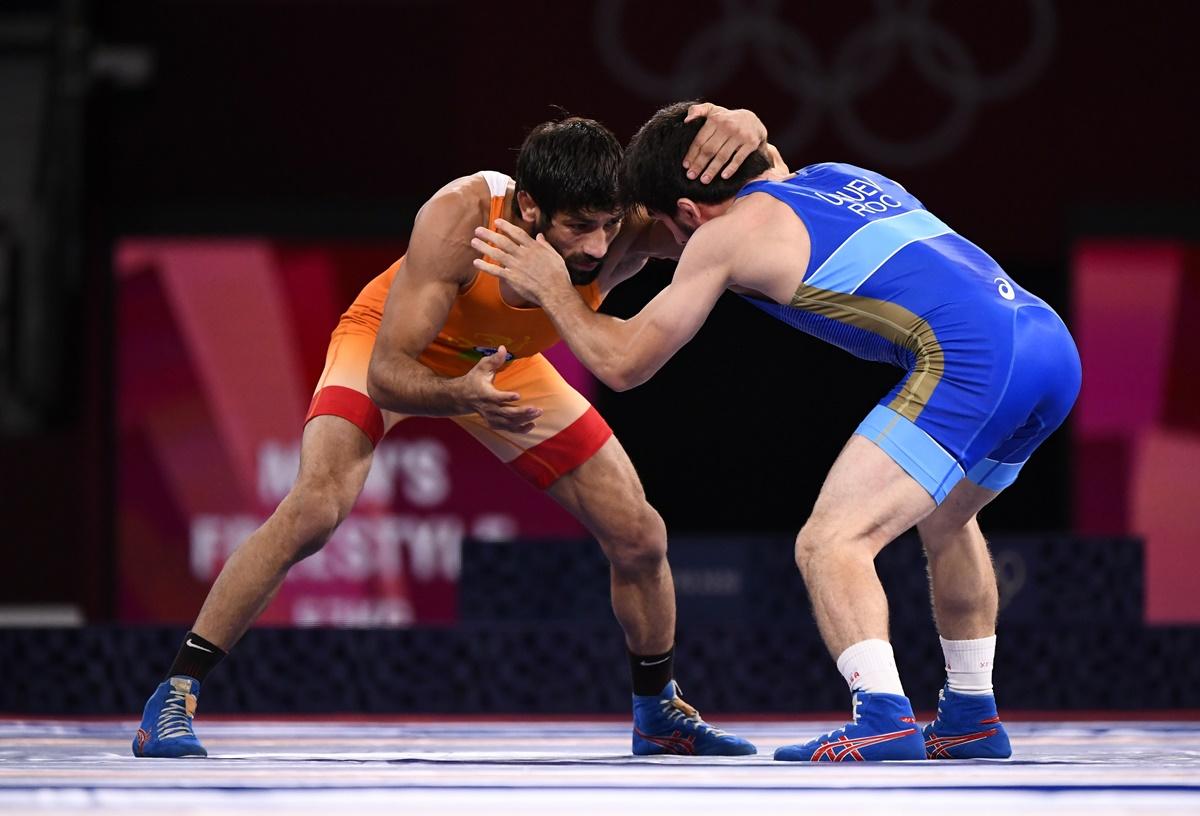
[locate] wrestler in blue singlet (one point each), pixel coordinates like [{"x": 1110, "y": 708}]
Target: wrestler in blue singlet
[{"x": 992, "y": 369}]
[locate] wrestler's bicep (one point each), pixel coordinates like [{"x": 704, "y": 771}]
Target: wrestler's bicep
[
  {"x": 415, "y": 310},
  {"x": 428, "y": 281}
]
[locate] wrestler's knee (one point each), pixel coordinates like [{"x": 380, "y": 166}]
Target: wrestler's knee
[
  {"x": 636, "y": 540},
  {"x": 824, "y": 537},
  {"x": 312, "y": 512}
]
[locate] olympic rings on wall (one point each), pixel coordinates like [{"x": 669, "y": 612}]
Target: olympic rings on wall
[{"x": 788, "y": 57}]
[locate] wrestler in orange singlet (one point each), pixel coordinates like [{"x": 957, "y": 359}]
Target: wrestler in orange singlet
[{"x": 433, "y": 337}]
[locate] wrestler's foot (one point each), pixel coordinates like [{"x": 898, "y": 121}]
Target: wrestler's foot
[
  {"x": 665, "y": 724},
  {"x": 883, "y": 729},
  {"x": 967, "y": 727},
  {"x": 166, "y": 729}
]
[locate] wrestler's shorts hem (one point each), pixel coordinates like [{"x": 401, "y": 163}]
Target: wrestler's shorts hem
[
  {"x": 549, "y": 460},
  {"x": 353, "y": 406},
  {"x": 993, "y": 474},
  {"x": 914, "y": 450}
]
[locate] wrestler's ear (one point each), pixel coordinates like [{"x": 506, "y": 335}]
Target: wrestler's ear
[
  {"x": 529, "y": 209},
  {"x": 688, "y": 212}
]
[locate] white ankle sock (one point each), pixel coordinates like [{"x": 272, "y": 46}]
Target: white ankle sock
[
  {"x": 969, "y": 664},
  {"x": 870, "y": 666}
]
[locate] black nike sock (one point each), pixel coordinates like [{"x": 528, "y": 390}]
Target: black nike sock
[
  {"x": 196, "y": 658},
  {"x": 651, "y": 673}
]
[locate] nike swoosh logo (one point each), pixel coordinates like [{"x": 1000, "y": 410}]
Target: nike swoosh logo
[
  {"x": 654, "y": 662},
  {"x": 198, "y": 646}
]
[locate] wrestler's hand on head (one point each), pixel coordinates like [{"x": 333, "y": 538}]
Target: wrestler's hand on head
[
  {"x": 529, "y": 265},
  {"x": 723, "y": 142},
  {"x": 479, "y": 393}
]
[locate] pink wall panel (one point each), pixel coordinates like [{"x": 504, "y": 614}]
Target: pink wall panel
[{"x": 1136, "y": 430}]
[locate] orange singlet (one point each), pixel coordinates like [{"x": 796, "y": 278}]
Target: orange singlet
[{"x": 567, "y": 434}]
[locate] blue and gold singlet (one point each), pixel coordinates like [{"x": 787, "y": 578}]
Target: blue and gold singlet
[{"x": 991, "y": 369}]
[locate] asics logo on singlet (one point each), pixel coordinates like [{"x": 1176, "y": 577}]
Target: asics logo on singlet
[
  {"x": 1004, "y": 288},
  {"x": 485, "y": 351}
]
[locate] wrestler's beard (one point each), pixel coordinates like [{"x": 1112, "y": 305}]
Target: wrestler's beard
[
  {"x": 579, "y": 277},
  {"x": 582, "y": 277}
]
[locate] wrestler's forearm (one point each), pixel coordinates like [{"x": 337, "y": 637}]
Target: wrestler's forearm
[
  {"x": 403, "y": 385},
  {"x": 601, "y": 342}
]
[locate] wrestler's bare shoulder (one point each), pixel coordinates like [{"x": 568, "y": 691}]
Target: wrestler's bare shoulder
[
  {"x": 445, "y": 225},
  {"x": 762, "y": 244},
  {"x": 465, "y": 199}
]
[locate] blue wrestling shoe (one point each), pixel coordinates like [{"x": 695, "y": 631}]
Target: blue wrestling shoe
[
  {"x": 166, "y": 729},
  {"x": 665, "y": 724},
  {"x": 967, "y": 727},
  {"x": 884, "y": 728}
]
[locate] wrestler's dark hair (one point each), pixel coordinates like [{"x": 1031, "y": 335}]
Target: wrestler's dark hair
[
  {"x": 570, "y": 165},
  {"x": 652, "y": 172}
]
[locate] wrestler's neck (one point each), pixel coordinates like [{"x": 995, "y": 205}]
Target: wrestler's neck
[
  {"x": 707, "y": 212},
  {"x": 517, "y": 206}
]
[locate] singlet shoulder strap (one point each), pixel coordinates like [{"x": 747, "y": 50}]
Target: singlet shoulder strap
[
  {"x": 496, "y": 182},
  {"x": 498, "y": 186}
]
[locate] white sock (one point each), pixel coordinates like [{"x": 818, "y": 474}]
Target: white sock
[
  {"x": 969, "y": 664},
  {"x": 870, "y": 666}
]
